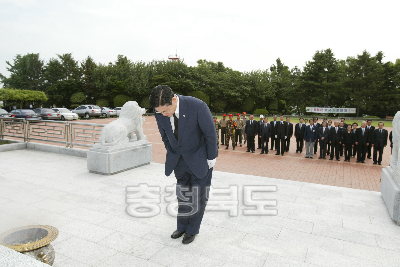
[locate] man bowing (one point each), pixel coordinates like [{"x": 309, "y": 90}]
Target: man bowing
[{"x": 187, "y": 130}]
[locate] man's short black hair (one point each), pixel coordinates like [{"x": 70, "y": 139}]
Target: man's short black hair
[
  {"x": 355, "y": 123},
  {"x": 369, "y": 120},
  {"x": 161, "y": 95}
]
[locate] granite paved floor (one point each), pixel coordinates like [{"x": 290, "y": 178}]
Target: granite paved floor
[{"x": 316, "y": 225}]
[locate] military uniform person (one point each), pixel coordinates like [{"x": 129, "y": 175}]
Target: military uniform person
[
  {"x": 217, "y": 127},
  {"x": 230, "y": 132},
  {"x": 223, "y": 128},
  {"x": 244, "y": 119},
  {"x": 238, "y": 131}
]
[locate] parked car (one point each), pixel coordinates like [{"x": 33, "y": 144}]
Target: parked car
[
  {"x": 26, "y": 114},
  {"x": 88, "y": 111},
  {"x": 108, "y": 112},
  {"x": 4, "y": 113},
  {"x": 47, "y": 113},
  {"x": 118, "y": 110},
  {"x": 66, "y": 114}
]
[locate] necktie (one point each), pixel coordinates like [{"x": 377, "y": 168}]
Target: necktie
[
  {"x": 300, "y": 125},
  {"x": 176, "y": 122},
  {"x": 380, "y": 130},
  {"x": 363, "y": 131},
  {"x": 336, "y": 129},
  {"x": 323, "y": 130}
]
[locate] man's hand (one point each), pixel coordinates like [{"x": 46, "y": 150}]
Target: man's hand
[
  {"x": 356, "y": 143},
  {"x": 372, "y": 145},
  {"x": 322, "y": 138},
  {"x": 211, "y": 163},
  {"x": 330, "y": 142},
  {"x": 367, "y": 144}
]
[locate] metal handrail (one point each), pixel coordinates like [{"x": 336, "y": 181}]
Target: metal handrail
[{"x": 68, "y": 133}]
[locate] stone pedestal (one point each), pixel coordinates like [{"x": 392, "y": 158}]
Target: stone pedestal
[
  {"x": 111, "y": 160},
  {"x": 390, "y": 189}
]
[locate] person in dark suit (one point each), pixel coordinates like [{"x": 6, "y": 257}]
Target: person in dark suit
[
  {"x": 328, "y": 150},
  {"x": 343, "y": 129},
  {"x": 348, "y": 142},
  {"x": 371, "y": 130},
  {"x": 280, "y": 136},
  {"x": 362, "y": 140},
  {"x": 391, "y": 142},
  {"x": 299, "y": 133},
  {"x": 289, "y": 134},
  {"x": 310, "y": 137},
  {"x": 251, "y": 131},
  {"x": 317, "y": 125},
  {"x": 188, "y": 132},
  {"x": 273, "y": 128},
  {"x": 335, "y": 140},
  {"x": 344, "y": 123},
  {"x": 265, "y": 135},
  {"x": 379, "y": 141},
  {"x": 323, "y": 136},
  {"x": 260, "y": 126},
  {"x": 353, "y": 129}
]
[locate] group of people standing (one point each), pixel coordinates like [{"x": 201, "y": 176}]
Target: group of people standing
[{"x": 339, "y": 139}]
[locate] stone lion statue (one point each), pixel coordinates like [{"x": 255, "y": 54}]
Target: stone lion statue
[
  {"x": 121, "y": 130},
  {"x": 394, "y": 159}
]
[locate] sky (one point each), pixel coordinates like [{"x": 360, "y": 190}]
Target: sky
[{"x": 244, "y": 35}]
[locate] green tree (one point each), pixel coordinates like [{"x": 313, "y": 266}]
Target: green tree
[
  {"x": 26, "y": 73},
  {"x": 120, "y": 100}
]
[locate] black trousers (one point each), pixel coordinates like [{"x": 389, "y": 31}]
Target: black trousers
[
  {"x": 280, "y": 145},
  {"x": 341, "y": 150},
  {"x": 369, "y": 147},
  {"x": 264, "y": 144},
  {"x": 272, "y": 141},
  {"x": 259, "y": 141},
  {"x": 315, "y": 148},
  {"x": 238, "y": 135},
  {"x": 328, "y": 149},
  {"x": 192, "y": 194},
  {"x": 354, "y": 151},
  {"x": 361, "y": 152},
  {"x": 250, "y": 143},
  {"x": 322, "y": 148},
  {"x": 287, "y": 143},
  {"x": 300, "y": 144},
  {"x": 347, "y": 151},
  {"x": 223, "y": 135},
  {"x": 378, "y": 148},
  {"x": 335, "y": 149}
]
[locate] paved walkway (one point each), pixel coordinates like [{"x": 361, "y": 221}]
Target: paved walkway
[{"x": 317, "y": 225}]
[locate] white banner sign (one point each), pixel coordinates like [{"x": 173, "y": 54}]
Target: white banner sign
[{"x": 330, "y": 110}]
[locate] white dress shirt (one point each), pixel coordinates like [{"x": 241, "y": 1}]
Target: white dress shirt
[{"x": 171, "y": 119}]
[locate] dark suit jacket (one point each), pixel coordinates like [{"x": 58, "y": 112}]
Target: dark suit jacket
[
  {"x": 251, "y": 129},
  {"x": 363, "y": 140},
  {"x": 266, "y": 131},
  {"x": 335, "y": 137},
  {"x": 281, "y": 129},
  {"x": 311, "y": 135},
  {"x": 390, "y": 139},
  {"x": 348, "y": 138},
  {"x": 290, "y": 130},
  {"x": 197, "y": 137},
  {"x": 259, "y": 127},
  {"x": 323, "y": 134},
  {"x": 299, "y": 133},
  {"x": 372, "y": 128},
  {"x": 273, "y": 129},
  {"x": 379, "y": 138}
]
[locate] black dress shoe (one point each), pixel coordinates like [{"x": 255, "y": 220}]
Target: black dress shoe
[
  {"x": 266, "y": 152},
  {"x": 324, "y": 157},
  {"x": 247, "y": 150},
  {"x": 233, "y": 148},
  {"x": 375, "y": 162},
  {"x": 240, "y": 145},
  {"x": 379, "y": 163},
  {"x": 369, "y": 157},
  {"x": 297, "y": 151},
  {"x": 262, "y": 153},
  {"x": 188, "y": 239},
  {"x": 358, "y": 161},
  {"x": 307, "y": 157},
  {"x": 177, "y": 234},
  {"x": 276, "y": 153},
  {"x": 319, "y": 157},
  {"x": 362, "y": 161},
  {"x": 338, "y": 159},
  {"x": 330, "y": 158},
  {"x": 226, "y": 147},
  {"x": 252, "y": 151},
  {"x": 282, "y": 154}
]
